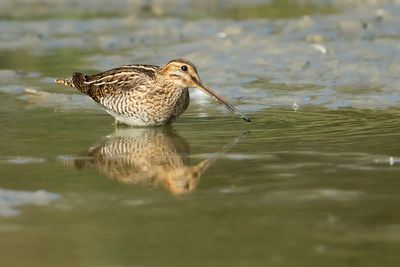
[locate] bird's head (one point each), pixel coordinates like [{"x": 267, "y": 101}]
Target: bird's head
[
  {"x": 181, "y": 72},
  {"x": 184, "y": 74}
]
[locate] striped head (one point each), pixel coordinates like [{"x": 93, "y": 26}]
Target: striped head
[{"x": 183, "y": 74}]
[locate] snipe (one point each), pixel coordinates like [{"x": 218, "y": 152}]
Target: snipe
[{"x": 145, "y": 95}]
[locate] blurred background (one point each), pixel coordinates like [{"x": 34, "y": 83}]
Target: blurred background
[
  {"x": 320, "y": 48},
  {"x": 314, "y": 180}
]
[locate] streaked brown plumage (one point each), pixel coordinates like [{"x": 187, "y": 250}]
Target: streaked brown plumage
[
  {"x": 147, "y": 156},
  {"x": 144, "y": 95}
]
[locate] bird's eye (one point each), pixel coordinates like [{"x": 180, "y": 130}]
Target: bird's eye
[{"x": 184, "y": 68}]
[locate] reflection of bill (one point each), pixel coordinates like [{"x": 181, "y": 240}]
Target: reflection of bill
[{"x": 149, "y": 156}]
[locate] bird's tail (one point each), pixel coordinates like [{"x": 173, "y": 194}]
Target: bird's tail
[{"x": 65, "y": 82}]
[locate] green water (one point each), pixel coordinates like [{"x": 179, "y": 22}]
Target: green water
[
  {"x": 316, "y": 186},
  {"x": 307, "y": 187}
]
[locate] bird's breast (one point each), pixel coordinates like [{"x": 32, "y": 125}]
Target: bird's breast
[{"x": 147, "y": 108}]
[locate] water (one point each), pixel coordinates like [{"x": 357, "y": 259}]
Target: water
[{"x": 313, "y": 180}]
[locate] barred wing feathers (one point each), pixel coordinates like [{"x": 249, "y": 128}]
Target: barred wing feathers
[{"x": 116, "y": 81}]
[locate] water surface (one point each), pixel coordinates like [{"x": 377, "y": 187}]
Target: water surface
[{"x": 312, "y": 181}]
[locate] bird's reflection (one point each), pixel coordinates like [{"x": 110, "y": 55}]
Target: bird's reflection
[{"x": 149, "y": 156}]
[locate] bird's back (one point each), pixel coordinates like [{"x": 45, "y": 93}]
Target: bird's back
[
  {"x": 132, "y": 94},
  {"x": 116, "y": 81}
]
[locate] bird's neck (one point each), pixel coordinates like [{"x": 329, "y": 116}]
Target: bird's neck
[{"x": 172, "y": 88}]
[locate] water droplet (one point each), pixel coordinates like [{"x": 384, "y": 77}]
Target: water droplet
[{"x": 391, "y": 161}]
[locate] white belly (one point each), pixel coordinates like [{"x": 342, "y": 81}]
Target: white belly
[{"x": 133, "y": 120}]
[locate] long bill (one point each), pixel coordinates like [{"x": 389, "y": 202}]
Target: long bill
[{"x": 220, "y": 100}]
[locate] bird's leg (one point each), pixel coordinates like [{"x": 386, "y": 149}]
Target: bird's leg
[{"x": 116, "y": 122}]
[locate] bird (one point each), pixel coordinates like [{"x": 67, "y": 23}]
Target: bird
[{"x": 145, "y": 95}]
